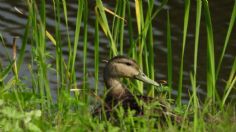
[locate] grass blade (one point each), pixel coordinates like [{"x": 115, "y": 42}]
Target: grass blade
[
  {"x": 230, "y": 83},
  {"x": 169, "y": 54},
  {"x": 230, "y": 28},
  {"x": 186, "y": 19},
  {"x": 96, "y": 56},
  {"x": 102, "y": 19},
  {"x": 211, "y": 87},
  {"x": 194, "y": 76}
]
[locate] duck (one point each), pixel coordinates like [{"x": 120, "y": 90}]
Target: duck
[{"x": 118, "y": 93}]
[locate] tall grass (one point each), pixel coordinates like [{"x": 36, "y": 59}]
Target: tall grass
[
  {"x": 169, "y": 55},
  {"x": 72, "y": 58},
  {"x": 40, "y": 54},
  {"x": 194, "y": 75},
  {"x": 211, "y": 81},
  {"x": 102, "y": 19},
  {"x": 231, "y": 24},
  {"x": 96, "y": 54},
  {"x": 85, "y": 45},
  {"x": 186, "y": 19},
  {"x": 33, "y": 109}
]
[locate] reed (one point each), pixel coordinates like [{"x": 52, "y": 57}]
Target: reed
[
  {"x": 169, "y": 55},
  {"x": 85, "y": 45},
  {"x": 96, "y": 56},
  {"x": 186, "y": 19},
  {"x": 194, "y": 75},
  {"x": 39, "y": 48},
  {"x": 231, "y": 24}
]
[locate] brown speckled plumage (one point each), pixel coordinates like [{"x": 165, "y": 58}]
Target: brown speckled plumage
[
  {"x": 116, "y": 68},
  {"x": 119, "y": 95}
]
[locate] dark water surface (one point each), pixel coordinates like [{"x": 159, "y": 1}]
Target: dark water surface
[{"x": 13, "y": 24}]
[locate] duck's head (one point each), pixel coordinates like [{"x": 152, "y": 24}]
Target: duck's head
[{"x": 121, "y": 66}]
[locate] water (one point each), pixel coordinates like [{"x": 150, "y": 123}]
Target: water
[{"x": 13, "y": 24}]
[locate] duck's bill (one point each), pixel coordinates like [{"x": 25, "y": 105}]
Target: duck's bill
[{"x": 142, "y": 77}]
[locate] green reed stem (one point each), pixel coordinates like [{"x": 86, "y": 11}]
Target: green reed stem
[
  {"x": 140, "y": 41},
  {"x": 68, "y": 39},
  {"x": 230, "y": 28},
  {"x": 39, "y": 32},
  {"x": 150, "y": 48},
  {"x": 76, "y": 40},
  {"x": 121, "y": 36},
  {"x": 230, "y": 83},
  {"x": 59, "y": 56},
  {"x": 24, "y": 42},
  {"x": 186, "y": 19},
  {"x": 194, "y": 76},
  {"x": 211, "y": 87},
  {"x": 130, "y": 32},
  {"x": 42, "y": 55},
  {"x": 118, "y": 25},
  {"x": 169, "y": 55},
  {"x": 102, "y": 19},
  {"x": 85, "y": 43},
  {"x": 96, "y": 56}
]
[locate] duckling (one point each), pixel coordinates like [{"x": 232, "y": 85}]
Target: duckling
[{"x": 123, "y": 67}]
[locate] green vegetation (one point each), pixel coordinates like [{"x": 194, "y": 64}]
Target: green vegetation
[{"x": 31, "y": 106}]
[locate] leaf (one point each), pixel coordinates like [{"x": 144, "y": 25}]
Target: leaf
[
  {"x": 1, "y": 102},
  {"x": 51, "y": 38},
  {"x": 33, "y": 127},
  {"x": 12, "y": 113},
  {"x": 5, "y": 72}
]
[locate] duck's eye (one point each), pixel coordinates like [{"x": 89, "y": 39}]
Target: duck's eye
[{"x": 128, "y": 64}]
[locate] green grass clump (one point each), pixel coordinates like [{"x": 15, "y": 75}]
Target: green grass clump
[{"x": 30, "y": 107}]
